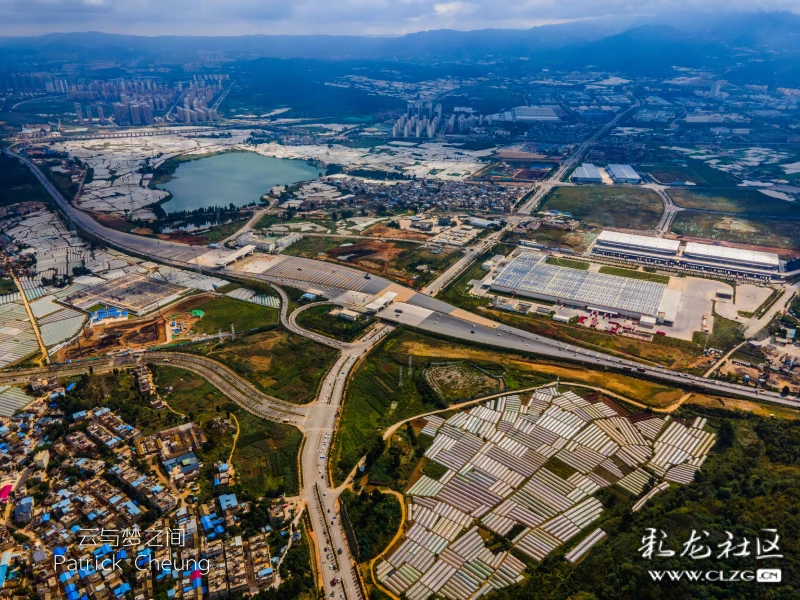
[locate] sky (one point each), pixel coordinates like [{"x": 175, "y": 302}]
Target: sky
[{"x": 353, "y": 17}]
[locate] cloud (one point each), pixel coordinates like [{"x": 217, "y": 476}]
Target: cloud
[{"x": 355, "y": 17}]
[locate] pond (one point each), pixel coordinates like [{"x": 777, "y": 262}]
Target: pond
[{"x": 232, "y": 177}]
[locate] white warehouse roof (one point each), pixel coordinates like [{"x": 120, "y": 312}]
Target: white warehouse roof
[
  {"x": 638, "y": 241},
  {"x": 527, "y": 273},
  {"x": 623, "y": 172},
  {"x": 736, "y": 254},
  {"x": 587, "y": 171}
]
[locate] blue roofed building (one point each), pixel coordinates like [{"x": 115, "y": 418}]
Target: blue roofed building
[{"x": 23, "y": 511}]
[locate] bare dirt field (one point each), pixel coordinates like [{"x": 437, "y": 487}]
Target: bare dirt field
[
  {"x": 381, "y": 230},
  {"x": 114, "y": 337}
]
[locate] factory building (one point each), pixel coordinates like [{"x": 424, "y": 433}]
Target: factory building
[
  {"x": 623, "y": 174},
  {"x": 586, "y": 173},
  {"x": 528, "y": 274},
  {"x": 720, "y": 260},
  {"x": 534, "y": 113},
  {"x": 641, "y": 248},
  {"x": 705, "y": 258}
]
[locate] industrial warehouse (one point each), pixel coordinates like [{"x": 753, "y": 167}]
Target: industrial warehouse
[
  {"x": 705, "y": 258},
  {"x": 623, "y": 174},
  {"x": 528, "y": 274}
]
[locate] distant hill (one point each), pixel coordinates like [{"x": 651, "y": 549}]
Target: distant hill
[{"x": 628, "y": 45}]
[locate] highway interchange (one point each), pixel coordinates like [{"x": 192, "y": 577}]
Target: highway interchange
[{"x": 318, "y": 420}]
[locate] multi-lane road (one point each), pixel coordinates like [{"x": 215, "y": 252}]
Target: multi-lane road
[
  {"x": 318, "y": 420},
  {"x": 556, "y": 176},
  {"x": 517, "y": 339}
]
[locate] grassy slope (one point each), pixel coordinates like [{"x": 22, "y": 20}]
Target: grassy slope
[
  {"x": 221, "y": 312},
  {"x": 279, "y": 363},
  {"x": 318, "y": 318}
]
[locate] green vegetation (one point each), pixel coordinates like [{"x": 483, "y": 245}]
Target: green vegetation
[
  {"x": 319, "y": 319},
  {"x": 406, "y": 262},
  {"x": 296, "y": 571},
  {"x": 221, "y": 312},
  {"x": 632, "y": 208},
  {"x": 18, "y": 184},
  {"x": 7, "y": 286},
  {"x": 400, "y": 461},
  {"x": 631, "y": 274},
  {"x": 770, "y": 233},
  {"x": 62, "y": 181},
  {"x": 751, "y": 482},
  {"x": 713, "y": 177},
  {"x": 567, "y": 262},
  {"x": 375, "y": 519},
  {"x": 724, "y": 335},
  {"x": 269, "y": 83},
  {"x": 768, "y": 303},
  {"x": 377, "y": 396},
  {"x": 455, "y": 381},
  {"x": 267, "y": 221},
  {"x": 579, "y": 241},
  {"x": 220, "y": 232},
  {"x": 279, "y": 363},
  {"x": 228, "y": 287},
  {"x": 417, "y": 266},
  {"x": 667, "y": 174},
  {"x": 433, "y": 469},
  {"x": 266, "y": 452},
  {"x": 751, "y": 202}
]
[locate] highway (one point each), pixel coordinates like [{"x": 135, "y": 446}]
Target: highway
[
  {"x": 470, "y": 253},
  {"x": 319, "y": 420},
  {"x": 238, "y": 389},
  {"x": 557, "y": 175},
  {"x": 181, "y": 255},
  {"x": 517, "y": 339}
]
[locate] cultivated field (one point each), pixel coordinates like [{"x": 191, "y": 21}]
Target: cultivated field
[
  {"x": 630, "y": 208},
  {"x": 385, "y": 390}
]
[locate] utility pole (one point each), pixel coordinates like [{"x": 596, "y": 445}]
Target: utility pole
[{"x": 233, "y": 332}]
